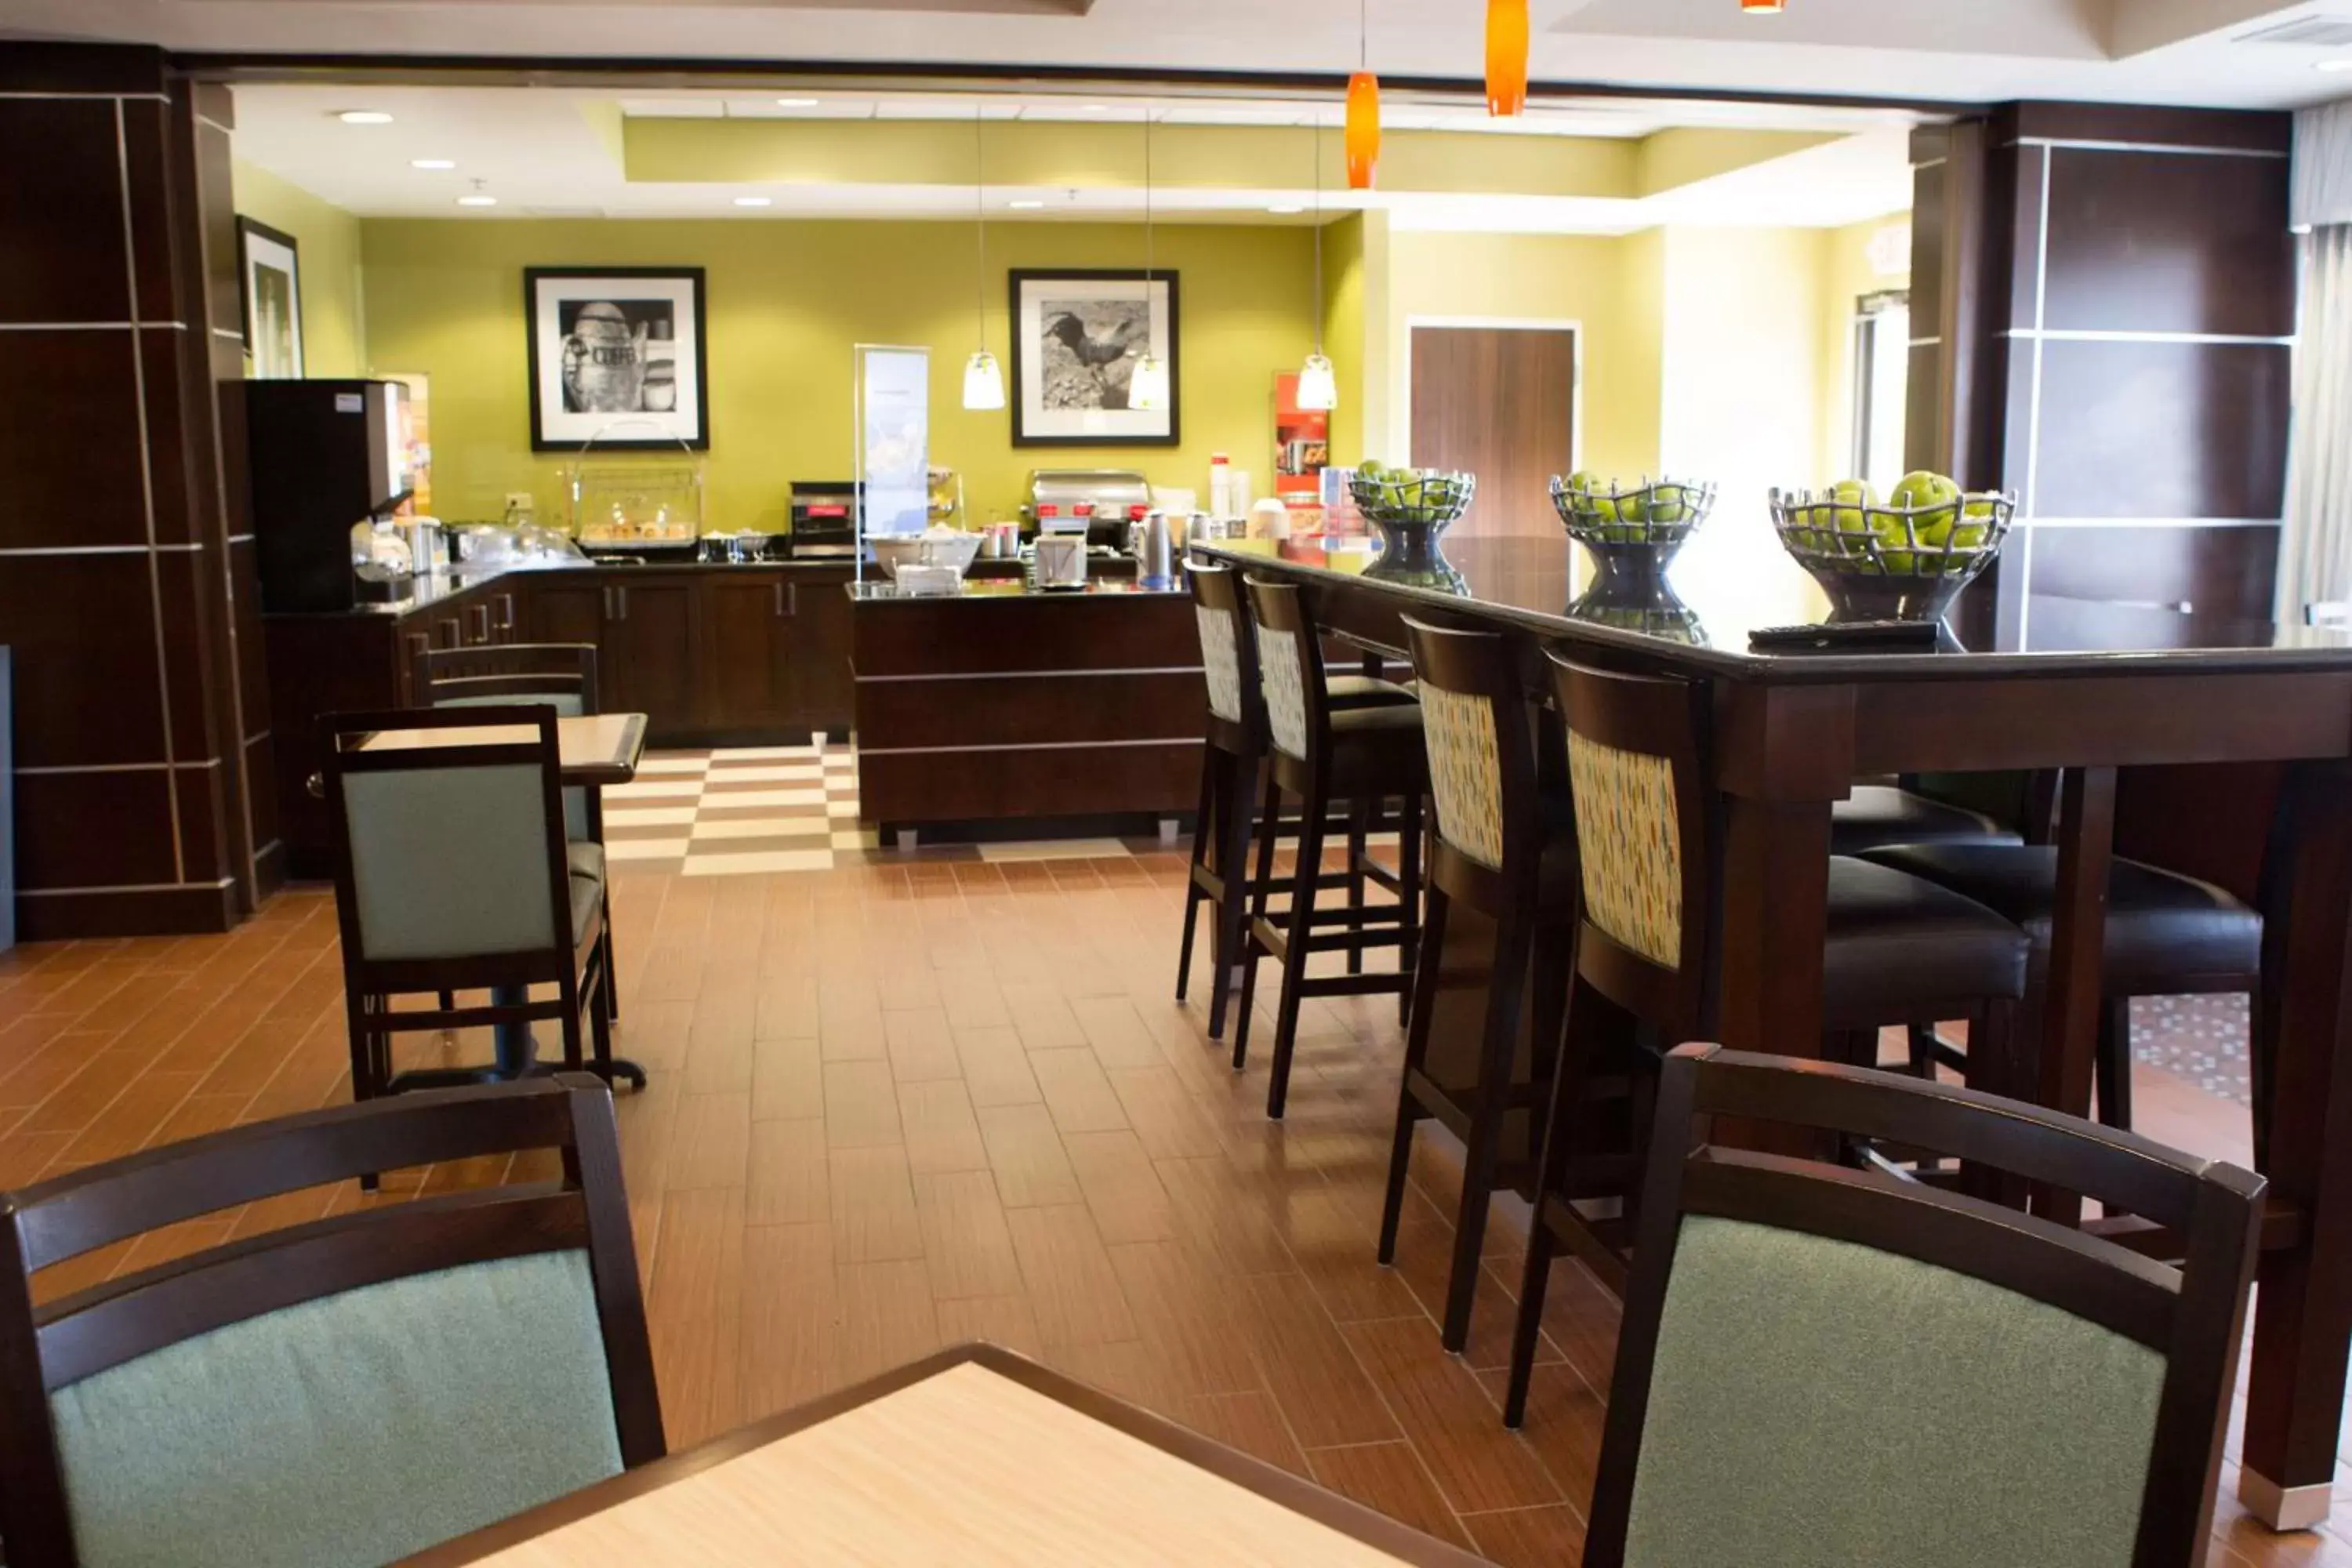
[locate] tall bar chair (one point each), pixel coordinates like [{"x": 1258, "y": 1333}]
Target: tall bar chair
[
  {"x": 1321, "y": 755},
  {"x": 1899, "y": 950},
  {"x": 1232, "y": 757},
  {"x": 1500, "y": 849}
]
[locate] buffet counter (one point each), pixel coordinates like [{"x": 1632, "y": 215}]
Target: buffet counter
[{"x": 1002, "y": 711}]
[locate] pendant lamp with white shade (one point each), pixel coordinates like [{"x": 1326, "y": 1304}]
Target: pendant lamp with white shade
[
  {"x": 983, "y": 378},
  {"x": 1148, "y": 388},
  {"x": 1319, "y": 383}
]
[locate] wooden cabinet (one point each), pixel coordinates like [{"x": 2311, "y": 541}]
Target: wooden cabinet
[
  {"x": 747, "y": 625},
  {"x": 824, "y": 693},
  {"x": 650, "y": 659},
  {"x": 567, "y": 606}
]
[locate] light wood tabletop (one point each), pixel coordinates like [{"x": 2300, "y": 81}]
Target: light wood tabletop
[
  {"x": 975, "y": 1456},
  {"x": 599, "y": 749}
]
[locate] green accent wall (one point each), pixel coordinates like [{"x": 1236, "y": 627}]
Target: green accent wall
[
  {"x": 788, "y": 301},
  {"x": 327, "y": 253}
]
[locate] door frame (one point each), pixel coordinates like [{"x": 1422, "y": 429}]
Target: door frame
[{"x": 1572, "y": 326}]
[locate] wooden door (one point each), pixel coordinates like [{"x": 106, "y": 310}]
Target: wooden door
[
  {"x": 650, "y": 663},
  {"x": 565, "y": 608},
  {"x": 746, "y": 629},
  {"x": 1499, "y": 402}
]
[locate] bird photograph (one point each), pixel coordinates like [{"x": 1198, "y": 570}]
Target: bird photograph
[{"x": 1089, "y": 349}]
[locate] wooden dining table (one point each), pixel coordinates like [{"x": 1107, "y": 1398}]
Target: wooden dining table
[
  {"x": 973, "y": 1455},
  {"x": 2093, "y": 689}
]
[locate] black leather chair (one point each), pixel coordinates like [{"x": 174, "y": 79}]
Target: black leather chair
[
  {"x": 1942, "y": 808},
  {"x": 2167, "y": 935}
]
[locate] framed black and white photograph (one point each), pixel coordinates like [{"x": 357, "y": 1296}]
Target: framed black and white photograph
[
  {"x": 617, "y": 355},
  {"x": 1078, "y": 337},
  {"x": 270, "y": 290}
]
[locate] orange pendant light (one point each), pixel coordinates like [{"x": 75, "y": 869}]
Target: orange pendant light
[
  {"x": 1506, "y": 57},
  {"x": 1763, "y": 8},
  {"x": 1363, "y": 139}
]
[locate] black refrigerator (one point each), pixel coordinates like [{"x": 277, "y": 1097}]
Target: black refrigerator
[{"x": 325, "y": 455}]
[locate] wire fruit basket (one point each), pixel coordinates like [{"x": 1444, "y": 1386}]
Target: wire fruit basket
[
  {"x": 1878, "y": 562},
  {"x": 1411, "y": 510}
]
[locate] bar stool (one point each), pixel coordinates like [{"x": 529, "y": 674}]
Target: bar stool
[
  {"x": 1232, "y": 758},
  {"x": 2166, "y": 935},
  {"x": 1499, "y": 850},
  {"x": 1875, "y": 816},
  {"x": 1899, "y": 950},
  {"x": 1321, "y": 755}
]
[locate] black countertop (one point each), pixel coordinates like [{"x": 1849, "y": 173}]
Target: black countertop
[
  {"x": 975, "y": 591},
  {"x": 440, "y": 588},
  {"x": 1711, "y": 604}
]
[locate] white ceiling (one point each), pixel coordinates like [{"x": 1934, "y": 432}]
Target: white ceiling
[
  {"x": 548, "y": 152},
  {"x": 2158, "y": 51}
]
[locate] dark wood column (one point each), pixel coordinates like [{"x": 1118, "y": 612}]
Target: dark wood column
[
  {"x": 2111, "y": 291},
  {"x": 132, "y": 814}
]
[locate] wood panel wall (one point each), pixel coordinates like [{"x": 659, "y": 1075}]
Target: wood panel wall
[
  {"x": 2114, "y": 291},
  {"x": 118, "y": 311}
]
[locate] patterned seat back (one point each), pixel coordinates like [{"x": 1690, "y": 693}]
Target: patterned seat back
[
  {"x": 1635, "y": 750},
  {"x": 1290, "y": 667},
  {"x": 1481, "y": 767},
  {"x": 1228, "y": 653}
]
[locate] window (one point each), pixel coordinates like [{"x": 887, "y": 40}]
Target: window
[{"x": 1882, "y": 373}]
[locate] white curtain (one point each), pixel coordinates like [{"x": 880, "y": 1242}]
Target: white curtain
[{"x": 2315, "y": 546}]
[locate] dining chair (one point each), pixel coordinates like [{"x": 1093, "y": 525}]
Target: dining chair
[
  {"x": 1897, "y": 950},
  {"x": 1504, "y": 851},
  {"x": 1323, "y": 754},
  {"x": 1941, "y": 808},
  {"x": 1231, "y": 761},
  {"x": 452, "y": 874},
  {"x": 1824, "y": 1366},
  {"x": 338, "y": 1393},
  {"x": 562, "y": 676}
]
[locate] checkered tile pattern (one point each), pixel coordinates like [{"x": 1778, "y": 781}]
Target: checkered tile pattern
[{"x": 739, "y": 813}]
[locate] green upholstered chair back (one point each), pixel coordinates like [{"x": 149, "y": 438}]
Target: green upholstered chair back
[
  {"x": 347, "y": 1431},
  {"x": 1825, "y": 1367},
  {"x": 450, "y": 862},
  {"x": 338, "y": 1394},
  {"x": 567, "y": 705}
]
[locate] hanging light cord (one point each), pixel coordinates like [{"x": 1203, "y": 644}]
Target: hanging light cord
[
  {"x": 1363, "y": 35},
  {"x": 1318, "y": 232},
  {"x": 979, "y": 215},
  {"x": 1150, "y": 252}
]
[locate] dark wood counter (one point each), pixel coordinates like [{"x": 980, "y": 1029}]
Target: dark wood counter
[
  {"x": 712, "y": 655},
  {"x": 999, "y": 705}
]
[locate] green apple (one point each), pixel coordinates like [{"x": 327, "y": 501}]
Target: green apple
[
  {"x": 1975, "y": 526},
  {"x": 1369, "y": 469},
  {"x": 1668, "y": 504}
]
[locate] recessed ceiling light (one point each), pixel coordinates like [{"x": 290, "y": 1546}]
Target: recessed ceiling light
[
  {"x": 796, "y": 103},
  {"x": 364, "y": 117},
  {"x": 432, "y": 163},
  {"x": 478, "y": 201},
  {"x": 2345, "y": 65},
  {"x": 1286, "y": 211},
  {"x": 753, "y": 201},
  {"x": 1024, "y": 206},
  {"x": 1094, "y": 108}
]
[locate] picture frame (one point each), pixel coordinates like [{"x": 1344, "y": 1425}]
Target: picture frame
[
  {"x": 1075, "y": 332},
  {"x": 269, "y": 300},
  {"x": 617, "y": 354}
]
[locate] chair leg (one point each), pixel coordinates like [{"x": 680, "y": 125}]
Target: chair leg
[
  {"x": 1484, "y": 1153},
  {"x": 1922, "y": 1040},
  {"x": 612, "y": 958},
  {"x": 449, "y": 1000},
  {"x": 1294, "y": 962},
  {"x": 600, "y": 1011},
  {"x": 1359, "y": 810},
  {"x": 2114, "y": 1063},
  {"x": 1202, "y": 833},
  {"x": 1410, "y": 896},
  {"x": 1568, "y": 1072},
  {"x": 366, "y": 1082},
  {"x": 1233, "y": 911},
  {"x": 1416, "y": 1051},
  {"x": 1261, "y": 893}
]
